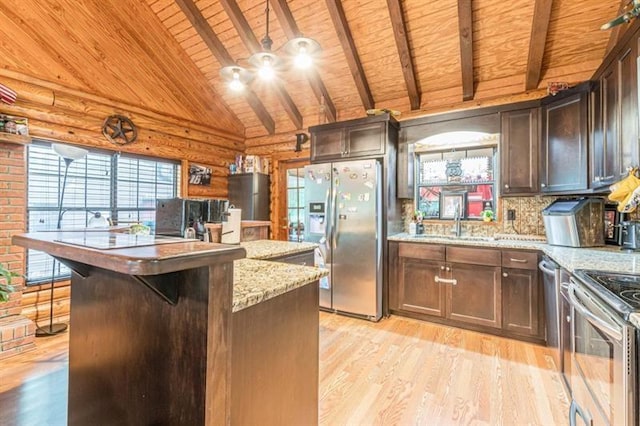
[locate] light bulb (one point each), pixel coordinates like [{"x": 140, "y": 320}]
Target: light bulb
[
  {"x": 302, "y": 59},
  {"x": 266, "y": 70},
  {"x": 235, "y": 84}
]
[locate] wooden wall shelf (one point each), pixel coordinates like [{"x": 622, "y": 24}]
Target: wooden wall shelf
[{"x": 16, "y": 139}]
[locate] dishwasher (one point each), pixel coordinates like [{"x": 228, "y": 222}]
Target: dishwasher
[{"x": 551, "y": 278}]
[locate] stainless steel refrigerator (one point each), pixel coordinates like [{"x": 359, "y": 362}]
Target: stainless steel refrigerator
[{"x": 343, "y": 205}]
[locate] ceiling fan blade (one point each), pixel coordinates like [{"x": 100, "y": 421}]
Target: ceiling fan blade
[{"x": 626, "y": 17}]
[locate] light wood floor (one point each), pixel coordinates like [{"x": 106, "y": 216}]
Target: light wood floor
[
  {"x": 395, "y": 372},
  {"x": 406, "y": 372}
]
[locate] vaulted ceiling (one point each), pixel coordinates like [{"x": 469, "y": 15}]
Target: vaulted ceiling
[{"x": 414, "y": 56}]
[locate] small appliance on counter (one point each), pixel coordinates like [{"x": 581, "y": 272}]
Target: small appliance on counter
[
  {"x": 215, "y": 210},
  {"x": 575, "y": 222},
  {"x": 231, "y": 227},
  {"x": 175, "y": 215},
  {"x": 630, "y": 235},
  {"x": 613, "y": 220}
]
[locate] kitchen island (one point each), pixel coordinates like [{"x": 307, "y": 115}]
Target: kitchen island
[{"x": 159, "y": 334}]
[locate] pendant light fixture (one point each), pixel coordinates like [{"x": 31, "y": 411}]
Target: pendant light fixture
[{"x": 265, "y": 63}]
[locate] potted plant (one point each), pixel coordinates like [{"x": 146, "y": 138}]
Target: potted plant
[
  {"x": 487, "y": 215},
  {"x": 5, "y": 282}
]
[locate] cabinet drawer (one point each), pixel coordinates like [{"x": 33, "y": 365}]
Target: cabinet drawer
[
  {"x": 421, "y": 251},
  {"x": 474, "y": 255},
  {"x": 519, "y": 259}
]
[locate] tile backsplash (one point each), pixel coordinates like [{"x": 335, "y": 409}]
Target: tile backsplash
[{"x": 528, "y": 218}]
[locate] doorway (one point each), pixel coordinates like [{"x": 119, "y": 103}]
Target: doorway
[{"x": 291, "y": 205}]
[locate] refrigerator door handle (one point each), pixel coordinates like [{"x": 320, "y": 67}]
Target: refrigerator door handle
[
  {"x": 328, "y": 217},
  {"x": 334, "y": 222}
]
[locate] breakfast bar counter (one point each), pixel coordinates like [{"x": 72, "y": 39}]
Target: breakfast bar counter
[{"x": 159, "y": 334}]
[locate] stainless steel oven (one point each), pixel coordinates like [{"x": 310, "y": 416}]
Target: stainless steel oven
[
  {"x": 603, "y": 362},
  {"x": 565, "y": 330}
]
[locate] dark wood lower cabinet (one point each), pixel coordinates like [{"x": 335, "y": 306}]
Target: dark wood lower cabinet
[
  {"x": 483, "y": 293},
  {"x": 475, "y": 298},
  {"x": 418, "y": 291},
  {"x": 522, "y": 297}
]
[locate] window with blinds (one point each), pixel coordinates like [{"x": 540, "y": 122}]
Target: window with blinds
[{"x": 121, "y": 187}]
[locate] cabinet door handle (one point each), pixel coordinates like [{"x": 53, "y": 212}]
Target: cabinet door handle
[
  {"x": 511, "y": 259},
  {"x": 445, "y": 280},
  {"x": 442, "y": 268},
  {"x": 506, "y": 186},
  {"x": 504, "y": 274},
  {"x": 543, "y": 185},
  {"x": 448, "y": 269}
]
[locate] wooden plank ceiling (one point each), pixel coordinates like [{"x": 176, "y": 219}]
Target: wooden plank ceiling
[{"x": 414, "y": 56}]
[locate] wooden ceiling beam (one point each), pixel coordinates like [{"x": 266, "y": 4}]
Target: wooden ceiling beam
[
  {"x": 537, "y": 43},
  {"x": 218, "y": 50},
  {"x": 348, "y": 46},
  {"x": 290, "y": 28},
  {"x": 406, "y": 61},
  {"x": 465, "y": 29},
  {"x": 249, "y": 39}
]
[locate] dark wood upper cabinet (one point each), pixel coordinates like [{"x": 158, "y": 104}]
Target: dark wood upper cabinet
[
  {"x": 405, "y": 180},
  {"x": 628, "y": 98},
  {"x": 366, "y": 137},
  {"x": 604, "y": 143},
  {"x": 519, "y": 145},
  {"x": 614, "y": 115},
  {"x": 327, "y": 143},
  {"x": 564, "y": 142}
]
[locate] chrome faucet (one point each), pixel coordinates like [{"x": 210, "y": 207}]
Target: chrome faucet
[{"x": 457, "y": 227}]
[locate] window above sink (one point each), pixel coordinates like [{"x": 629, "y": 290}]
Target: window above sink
[{"x": 458, "y": 174}]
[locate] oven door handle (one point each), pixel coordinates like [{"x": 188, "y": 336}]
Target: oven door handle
[
  {"x": 613, "y": 330},
  {"x": 543, "y": 267}
]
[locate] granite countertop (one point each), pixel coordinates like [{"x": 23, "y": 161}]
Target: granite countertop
[
  {"x": 255, "y": 281},
  {"x": 607, "y": 258},
  {"x": 267, "y": 249}
]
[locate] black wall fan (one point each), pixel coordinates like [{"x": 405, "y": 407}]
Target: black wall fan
[{"x": 627, "y": 16}]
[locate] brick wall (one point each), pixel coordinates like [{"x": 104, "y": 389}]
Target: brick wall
[{"x": 16, "y": 331}]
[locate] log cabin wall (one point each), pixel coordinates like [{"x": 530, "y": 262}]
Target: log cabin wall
[{"x": 60, "y": 114}]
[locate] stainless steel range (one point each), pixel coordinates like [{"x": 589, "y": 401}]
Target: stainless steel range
[{"x": 604, "y": 345}]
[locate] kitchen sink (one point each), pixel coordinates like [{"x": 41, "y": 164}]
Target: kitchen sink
[{"x": 454, "y": 238}]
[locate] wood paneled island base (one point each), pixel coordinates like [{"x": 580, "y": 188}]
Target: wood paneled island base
[{"x": 139, "y": 358}]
